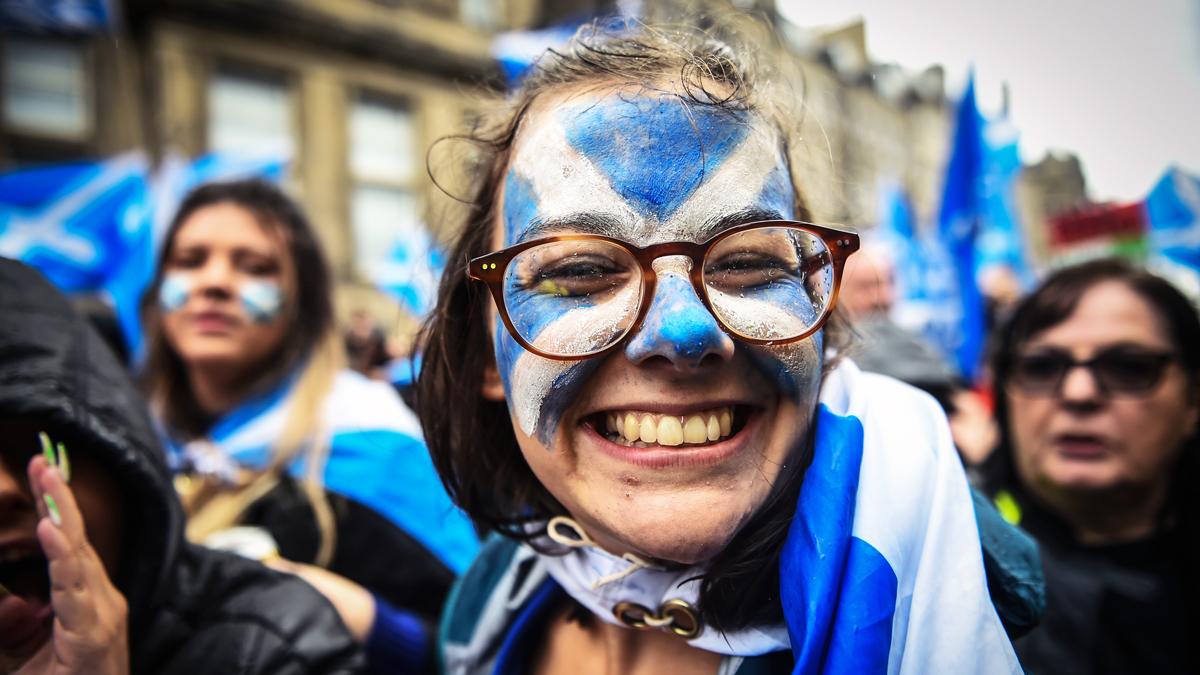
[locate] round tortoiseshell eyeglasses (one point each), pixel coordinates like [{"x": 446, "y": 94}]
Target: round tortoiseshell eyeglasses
[{"x": 577, "y": 296}]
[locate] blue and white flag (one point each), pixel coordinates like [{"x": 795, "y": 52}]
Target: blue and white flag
[
  {"x": 376, "y": 457},
  {"x": 882, "y": 570},
  {"x": 57, "y": 15},
  {"x": 410, "y": 274},
  {"x": 517, "y": 51},
  {"x": 1173, "y": 212},
  {"x": 959, "y": 226},
  {"x": 1001, "y": 240},
  {"x": 85, "y": 227}
]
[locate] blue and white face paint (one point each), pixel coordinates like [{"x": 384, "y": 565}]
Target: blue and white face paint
[
  {"x": 261, "y": 301},
  {"x": 174, "y": 291},
  {"x": 646, "y": 169}
]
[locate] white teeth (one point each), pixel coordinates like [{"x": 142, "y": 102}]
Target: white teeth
[
  {"x": 671, "y": 430},
  {"x": 648, "y": 429},
  {"x": 694, "y": 430},
  {"x": 631, "y": 427}
]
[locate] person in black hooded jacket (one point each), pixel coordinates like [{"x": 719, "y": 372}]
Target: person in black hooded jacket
[{"x": 97, "y": 577}]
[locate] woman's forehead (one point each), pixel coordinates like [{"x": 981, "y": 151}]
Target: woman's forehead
[{"x": 644, "y": 167}]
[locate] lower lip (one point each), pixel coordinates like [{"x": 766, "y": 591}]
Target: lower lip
[
  {"x": 213, "y": 324},
  {"x": 1081, "y": 450},
  {"x": 665, "y": 457}
]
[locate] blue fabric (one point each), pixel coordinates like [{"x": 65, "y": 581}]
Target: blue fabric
[
  {"x": 1173, "y": 212},
  {"x": 838, "y": 593},
  {"x": 86, "y": 227},
  {"x": 519, "y": 644},
  {"x": 398, "y": 642},
  {"x": 393, "y": 474},
  {"x": 959, "y": 225}
]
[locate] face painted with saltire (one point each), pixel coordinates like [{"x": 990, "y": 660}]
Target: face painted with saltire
[{"x": 668, "y": 444}]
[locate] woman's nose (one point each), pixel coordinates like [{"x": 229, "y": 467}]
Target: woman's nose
[
  {"x": 678, "y": 328},
  {"x": 214, "y": 277},
  {"x": 1080, "y": 387}
]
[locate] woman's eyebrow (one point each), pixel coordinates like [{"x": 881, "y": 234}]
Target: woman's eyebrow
[
  {"x": 721, "y": 223},
  {"x": 585, "y": 223}
]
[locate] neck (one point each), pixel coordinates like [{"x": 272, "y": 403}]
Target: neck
[
  {"x": 601, "y": 648},
  {"x": 216, "y": 390},
  {"x": 1106, "y": 518}
]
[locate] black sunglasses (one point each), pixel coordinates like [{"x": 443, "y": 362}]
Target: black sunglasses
[{"x": 1117, "y": 371}]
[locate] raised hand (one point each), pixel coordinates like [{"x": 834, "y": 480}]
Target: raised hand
[{"x": 89, "y": 632}]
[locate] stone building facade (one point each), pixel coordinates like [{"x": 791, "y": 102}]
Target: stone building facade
[{"x": 356, "y": 91}]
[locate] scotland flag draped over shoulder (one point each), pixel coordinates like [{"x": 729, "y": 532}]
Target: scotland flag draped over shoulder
[
  {"x": 882, "y": 570},
  {"x": 367, "y": 426}
]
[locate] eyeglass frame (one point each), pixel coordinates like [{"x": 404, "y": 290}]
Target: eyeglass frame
[
  {"x": 490, "y": 269},
  {"x": 1162, "y": 360}
]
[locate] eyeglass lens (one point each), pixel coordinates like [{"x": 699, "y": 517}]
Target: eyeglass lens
[
  {"x": 576, "y": 297},
  {"x": 1117, "y": 371}
]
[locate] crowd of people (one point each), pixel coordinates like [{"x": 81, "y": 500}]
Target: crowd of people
[{"x": 662, "y": 422}]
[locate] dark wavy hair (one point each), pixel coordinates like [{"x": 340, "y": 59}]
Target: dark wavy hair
[
  {"x": 309, "y": 315},
  {"x": 470, "y": 438},
  {"x": 1050, "y": 305}
]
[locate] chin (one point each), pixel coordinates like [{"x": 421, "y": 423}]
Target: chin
[{"x": 686, "y": 528}]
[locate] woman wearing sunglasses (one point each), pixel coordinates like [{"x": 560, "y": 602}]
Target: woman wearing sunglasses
[
  {"x": 1097, "y": 384},
  {"x": 632, "y": 380}
]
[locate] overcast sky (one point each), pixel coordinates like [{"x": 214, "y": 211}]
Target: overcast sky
[{"x": 1115, "y": 81}]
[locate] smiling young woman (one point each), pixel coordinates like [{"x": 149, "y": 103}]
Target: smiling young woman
[{"x": 650, "y": 409}]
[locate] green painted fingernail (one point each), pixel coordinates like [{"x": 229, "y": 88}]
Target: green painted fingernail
[
  {"x": 4, "y": 591},
  {"x": 47, "y": 449},
  {"x": 64, "y": 464},
  {"x": 55, "y": 516}
]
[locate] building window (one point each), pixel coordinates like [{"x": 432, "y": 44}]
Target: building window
[
  {"x": 481, "y": 14},
  {"x": 250, "y": 114},
  {"x": 383, "y": 161},
  {"x": 45, "y": 89}
]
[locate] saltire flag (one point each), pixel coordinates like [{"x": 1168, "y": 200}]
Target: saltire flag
[
  {"x": 882, "y": 570},
  {"x": 57, "y": 15},
  {"x": 411, "y": 271},
  {"x": 1001, "y": 240},
  {"x": 959, "y": 226},
  {"x": 1173, "y": 214},
  {"x": 85, "y": 226}
]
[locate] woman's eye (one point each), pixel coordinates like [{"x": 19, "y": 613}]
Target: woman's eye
[
  {"x": 190, "y": 261},
  {"x": 259, "y": 267},
  {"x": 578, "y": 276},
  {"x": 752, "y": 269}
]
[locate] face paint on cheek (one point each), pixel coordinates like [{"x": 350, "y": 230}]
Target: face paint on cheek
[
  {"x": 261, "y": 300},
  {"x": 539, "y": 390},
  {"x": 174, "y": 292},
  {"x": 795, "y": 368}
]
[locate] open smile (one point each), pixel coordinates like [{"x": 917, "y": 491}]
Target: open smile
[{"x": 655, "y": 439}]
